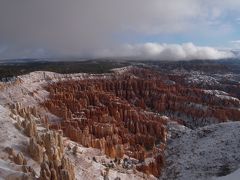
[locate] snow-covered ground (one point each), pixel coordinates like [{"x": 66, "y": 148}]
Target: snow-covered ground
[
  {"x": 11, "y": 137},
  {"x": 29, "y": 91},
  {"x": 203, "y": 153},
  {"x": 233, "y": 176},
  {"x": 221, "y": 95},
  {"x": 197, "y": 77},
  {"x": 122, "y": 70}
]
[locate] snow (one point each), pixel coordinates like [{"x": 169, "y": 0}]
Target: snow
[
  {"x": 196, "y": 77},
  {"x": 216, "y": 92},
  {"x": 227, "y": 97},
  {"x": 11, "y": 137},
  {"x": 233, "y": 176},
  {"x": 221, "y": 94},
  {"x": 190, "y": 154},
  {"x": 122, "y": 70},
  {"x": 86, "y": 168},
  {"x": 9, "y": 170},
  {"x": 201, "y": 153},
  {"x": 29, "y": 90}
]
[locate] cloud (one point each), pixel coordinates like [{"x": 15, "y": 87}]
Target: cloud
[
  {"x": 82, "y": 27},
  {"x": 155, "y": 51},
  {"x": 235, "y": 42}
]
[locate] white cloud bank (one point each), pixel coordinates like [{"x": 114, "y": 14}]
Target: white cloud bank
[
  {"x": 155, "y": 51},
  {"x": 235, "y": 42}
]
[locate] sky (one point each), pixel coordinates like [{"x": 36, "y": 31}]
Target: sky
[{"x": 148, "y": 29}]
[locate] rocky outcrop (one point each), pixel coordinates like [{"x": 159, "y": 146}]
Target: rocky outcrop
[
  {"x": 27, "y": 123},
  {"x": 45, "y": 147},
  {"x": 152, "y": 167},
  {"x": 52, "y": 171},
  {"x": 48, "y": 150},
  {"x": 108, "y": 115},
  {"x": 26, "y": 172},
  {"x": 30, "y": 128},
  {"x": 120, "y": 114},
  {"x": 17, "y": 158},
  {"x": 36, "y": 150}
]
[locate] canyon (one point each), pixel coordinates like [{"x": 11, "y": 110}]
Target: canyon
[{"x": 132, "y": 123}]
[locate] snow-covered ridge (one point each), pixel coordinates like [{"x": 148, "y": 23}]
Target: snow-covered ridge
[
  {"x": 233, "y": 176},
  {"x": 39, "y": 76},
  {"x": 221, "y": 95},
  {"x": 216, "y": 92},
  {"x": 24, "y": 86},
  {"x": 29, "y": 91},
  {"x": 122, "y": 70},
  {"x": 192, "y": 154},
  {"x": 200, "y": 78},
  {"x": 204, "y": 153}
]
